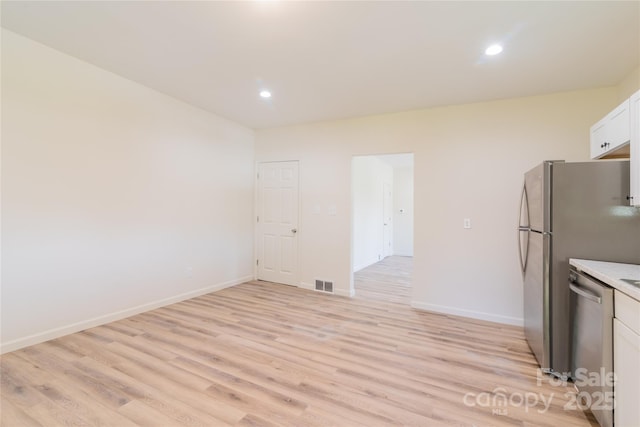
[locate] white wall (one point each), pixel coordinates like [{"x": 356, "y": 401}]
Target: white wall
[
  {"x": 468, "y": 161},
  {"x": 368, "y": 176},
  {"x": 115, "y": 198},
  {"x": 403, "y": 200}
]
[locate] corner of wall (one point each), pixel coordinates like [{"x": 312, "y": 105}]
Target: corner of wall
[
  {"x": 58, "y": 332},
  {"x": 629, "y": 85}
]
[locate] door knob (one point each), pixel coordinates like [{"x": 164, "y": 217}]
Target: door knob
[{"x": 294, "y": 230}]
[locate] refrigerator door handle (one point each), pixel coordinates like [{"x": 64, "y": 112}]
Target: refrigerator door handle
[
  {"x": 524, "y": 203},
  {"x": 523, "y": 257},
  {"x": 524, "y": 208}
]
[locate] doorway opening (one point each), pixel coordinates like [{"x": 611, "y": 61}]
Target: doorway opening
[{"x": 382, "y": 227}]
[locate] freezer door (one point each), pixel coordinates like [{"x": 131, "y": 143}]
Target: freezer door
[
  {"x": 536, "y": 298},
  {"x": 537, "y": 184}
]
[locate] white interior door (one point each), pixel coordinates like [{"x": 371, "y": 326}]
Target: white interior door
[
  {"x": 278, "y": 222},
  {"x": 387, "y": 230}
]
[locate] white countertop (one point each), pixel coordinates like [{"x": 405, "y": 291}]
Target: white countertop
[{"x": 611, "y": 273}]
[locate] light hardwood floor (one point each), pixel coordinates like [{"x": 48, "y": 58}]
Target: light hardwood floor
[
  {"x": 263, "y": 354},
  {"x": 388, "y": 280}
]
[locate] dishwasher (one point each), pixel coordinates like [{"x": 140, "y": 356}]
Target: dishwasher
[{"x": 592, "y": 344}]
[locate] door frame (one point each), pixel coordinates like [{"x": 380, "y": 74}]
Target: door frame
[{"x": 256, "y": 213}]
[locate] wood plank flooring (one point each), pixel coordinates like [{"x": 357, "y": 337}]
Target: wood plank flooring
[
  {"x": 388, "y": 280},
  {"x": 263, "y": 354}
]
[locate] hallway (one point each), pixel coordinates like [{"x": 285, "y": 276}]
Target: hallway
[{"x": 387, "y": 280}]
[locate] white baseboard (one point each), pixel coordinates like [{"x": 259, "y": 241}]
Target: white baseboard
[
  {"x": 304, "y": 285},
  {"x": 366, "y": 264},
  {"x": 345, "y": 293},
  {"x": 443, "y": 309},
  {"x": 405, "y": 254},
  {"x": 112, "y": 317},
  {"x": 360, "y": 267}
]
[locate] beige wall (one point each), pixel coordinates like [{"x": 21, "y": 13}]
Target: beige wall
[
  {"x": 115, "y": 198},
  {"x": 629, "y": 85},
  {"x": 469, "y": 162}
]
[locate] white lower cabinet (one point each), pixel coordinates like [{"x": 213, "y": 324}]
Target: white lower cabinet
[{"x": 626, "y": 361}]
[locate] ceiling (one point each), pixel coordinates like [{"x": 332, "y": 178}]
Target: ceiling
[{"x": 333, "y": 60}]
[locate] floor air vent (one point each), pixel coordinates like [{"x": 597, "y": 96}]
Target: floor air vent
[{"x": 324, "y": 286}]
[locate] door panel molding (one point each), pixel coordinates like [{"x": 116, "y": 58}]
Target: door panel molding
[{"x": 277, "y": 206}]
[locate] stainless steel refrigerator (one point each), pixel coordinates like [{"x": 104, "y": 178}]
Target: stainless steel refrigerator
[{"x": 569, "y": 210}]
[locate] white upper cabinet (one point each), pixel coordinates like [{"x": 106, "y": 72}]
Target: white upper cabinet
[
  {"x": 634, "y": 109},
  {"x": 617, "y": 136},
  {"x": 609, "y": 135}
]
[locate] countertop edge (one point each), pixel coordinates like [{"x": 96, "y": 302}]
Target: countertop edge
[{"x": 611, "y": 273}]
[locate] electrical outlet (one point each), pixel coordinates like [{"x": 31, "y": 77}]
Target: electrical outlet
[{"x": 466, "y": 223}]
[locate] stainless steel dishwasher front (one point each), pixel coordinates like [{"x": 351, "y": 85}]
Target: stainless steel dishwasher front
[{"x": 592, "y": 344}]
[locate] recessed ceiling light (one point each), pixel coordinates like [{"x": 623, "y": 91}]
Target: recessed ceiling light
[
  {"x": 265, "y": 94},
  {"x": 494, "y": 49}
]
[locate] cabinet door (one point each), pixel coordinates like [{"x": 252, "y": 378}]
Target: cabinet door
[
  {"x": 598, "y": 137},
  {"x": 618, "y": 126},
  {"x": 626, "y": 364},
  {"x": 611, "y": 133},
  {"x": 634, "y": 110}
]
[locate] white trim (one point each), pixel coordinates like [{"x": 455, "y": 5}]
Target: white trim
[
  {"x": 443, "y": 309},
  {"x": 112, "y": 317},
  {"x": 308, "y": 286},
  {"x": 256, "y": 212},
  {"x": 365, "y": 265},
  {"x": 408, "y": 254},
  {"x": 346, "y": 293}
]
